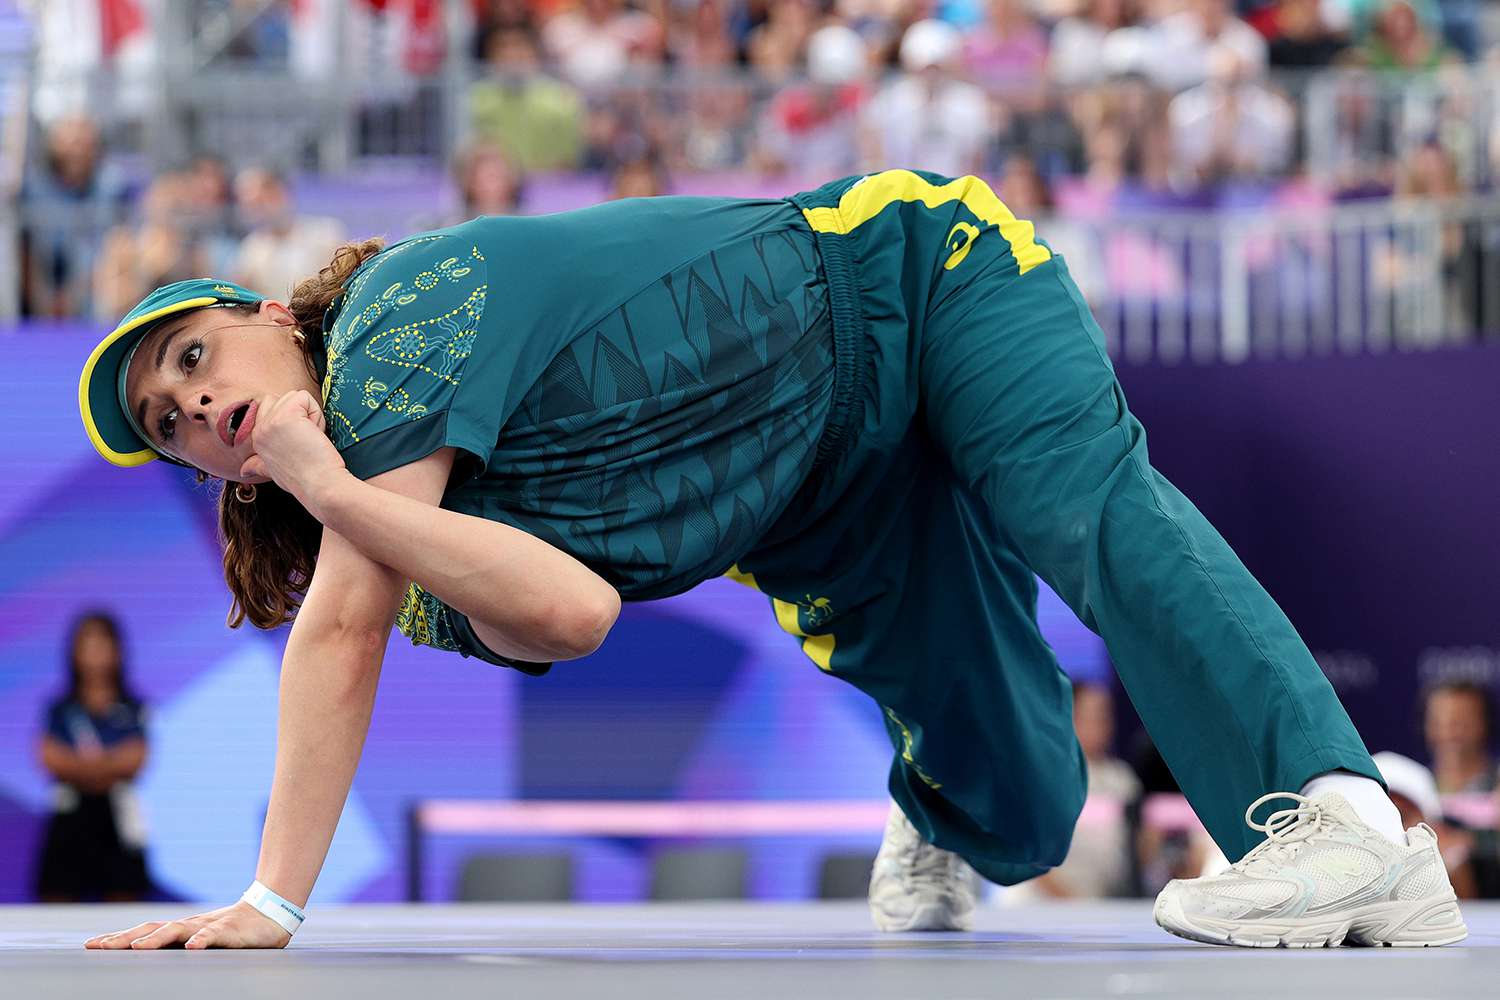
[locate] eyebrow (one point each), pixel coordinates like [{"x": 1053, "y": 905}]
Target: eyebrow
[
  {"x": 161, "y": 349},
  {"x": 141, "y": 419},
  {"x": 161, "y": 357}
]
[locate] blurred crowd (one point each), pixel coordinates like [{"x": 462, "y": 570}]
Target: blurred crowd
[
  {"x": 91, "y": 248},
  {"x": 1076, "y": 109}
]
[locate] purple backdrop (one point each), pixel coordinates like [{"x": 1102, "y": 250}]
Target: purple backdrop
[{"x": 1362, "y": 491}]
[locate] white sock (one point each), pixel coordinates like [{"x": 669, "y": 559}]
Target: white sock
[{"x": 1369, "y": 801}]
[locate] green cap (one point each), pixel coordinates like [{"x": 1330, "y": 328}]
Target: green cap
[{"x": 101, "y": 388}]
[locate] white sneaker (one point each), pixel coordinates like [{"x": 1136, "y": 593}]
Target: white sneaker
[
  {"x": 1321, "y": 878},
  {"x": 918, "y": 887}
]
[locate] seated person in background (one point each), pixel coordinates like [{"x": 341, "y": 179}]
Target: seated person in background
[
  {"x": 1416, "y": 796},
  {"x": 161, "y": 248},
  {"x": 1457, "y": 720},
  {"x": 637, "y": 176},
  {"x": 1231, "y": 126},
  {"x": 537, "y": 119},
  {"x": 95, "y": 744},
  {"x": 1098, "y": 862},
  {"x": 813, "y": 127},
  {"x": 282, "y": 246},
  {"x": 1403, "y": 35},
  {"x": 66, "y": 200},
  {"x": 488, "y": 181}
]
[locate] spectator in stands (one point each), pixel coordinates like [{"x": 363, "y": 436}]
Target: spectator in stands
[
  {"x": 1007, "y": 56},
  {"x": 489, "y": 183},
  {"x": 927, "y": 115},
  {"x": 775, "y": 46},
  {"x": 1458, "y": 721},
  {"x": 536, "y": 119},
  {"x": 1182, "y": 44},
  {"x": 1008, "y": 53},
  {"x": 1094, "y": 724},
  {"x": 1077, "y": 56},
  {"x": 1431, "y": 174},
  {"x": 209, "y": 211},
  {"x": 1415, "y": 793},
  {"x": 1298, "y": 35},
  {"x": 158, "y": 250},
  {"x": 94, "y": 745},
  {"x": 492, "y": 16},
  {"x": 281, "y": 247},
  {"x": 1124, "y": 134},
  {"x": 698, "y": 36},
  {"x": 1360, "y": 151},
  {"x": 599, "y": 40},
  {"x": 1398, "y": 38},
  {"x": 639, "y": 176},
  {"x": 1026, "y": 192},
  {"x": 1230, "y": 127},
  {"x": 813, "y": 129},
  {"x": 67, "y": 202},
  {"x": 714, "y": 134}
]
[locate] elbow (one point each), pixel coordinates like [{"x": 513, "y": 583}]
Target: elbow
[{"x": 583, "y": 628}]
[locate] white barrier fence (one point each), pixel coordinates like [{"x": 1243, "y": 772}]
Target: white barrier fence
[
  {"x": 1288, "y": 283},
  {"x": 1204, "y": 288}
]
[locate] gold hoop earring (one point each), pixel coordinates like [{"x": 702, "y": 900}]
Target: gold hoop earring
[
  {"x": 242, "y": 494},
  {"x": 300, "y": 338}
]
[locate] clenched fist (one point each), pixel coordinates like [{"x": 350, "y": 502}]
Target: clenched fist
[{"x": 289, "y": 446}]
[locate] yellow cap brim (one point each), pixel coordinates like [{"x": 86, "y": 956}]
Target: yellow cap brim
[{"x": 108, "y": 427}]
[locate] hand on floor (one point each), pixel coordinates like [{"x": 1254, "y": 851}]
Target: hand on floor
[{"x": 237, "y": 926}]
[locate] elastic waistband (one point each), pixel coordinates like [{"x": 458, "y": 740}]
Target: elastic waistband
[{"x": 846, "y": 411}]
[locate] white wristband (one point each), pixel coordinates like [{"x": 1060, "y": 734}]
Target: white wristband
[{"x": 288, "y": 914}]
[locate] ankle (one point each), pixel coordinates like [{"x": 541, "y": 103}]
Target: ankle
[{"x": 1365, "y": 796}]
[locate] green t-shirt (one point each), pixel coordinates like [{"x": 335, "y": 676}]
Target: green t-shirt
[{"x": 641, "y": 384}]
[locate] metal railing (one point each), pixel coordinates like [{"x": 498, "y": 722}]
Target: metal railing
[
  {"x": 1395, "y": 274},
  {"x": 1169, "y": 288}
]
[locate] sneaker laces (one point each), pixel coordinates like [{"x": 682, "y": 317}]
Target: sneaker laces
[{"x": 1284, "y": 830}]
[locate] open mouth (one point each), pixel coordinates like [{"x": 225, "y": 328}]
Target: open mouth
[{"x": 236, "y": 418}]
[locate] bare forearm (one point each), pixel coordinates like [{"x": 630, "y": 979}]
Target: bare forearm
[
  {"x": 487, "y": 570},
  {"x": 126, "y": 760},
  {"x": 327, "y": 694},
  {"x": 87, "y": 773}
]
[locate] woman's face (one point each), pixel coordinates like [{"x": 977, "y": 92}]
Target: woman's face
[
  {"x": 95, "y": 653},
  {"x": 1094, "y": 720},
  {"x": 196, "y": 384}
]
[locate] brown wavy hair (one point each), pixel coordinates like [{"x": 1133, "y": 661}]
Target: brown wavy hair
[{"x": 271, "y": 543}]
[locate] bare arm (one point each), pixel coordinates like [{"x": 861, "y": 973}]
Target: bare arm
[
  {"x": 329, "y": 675},
  {"x": 125, "y": 759},
  {"x": 539, "y": 602},
  {"x": 71, "y": 767},
  {"x": 535, "y": 602}
]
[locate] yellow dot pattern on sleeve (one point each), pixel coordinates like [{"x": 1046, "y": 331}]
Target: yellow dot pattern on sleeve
[{"x": 435, "y": 346}]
